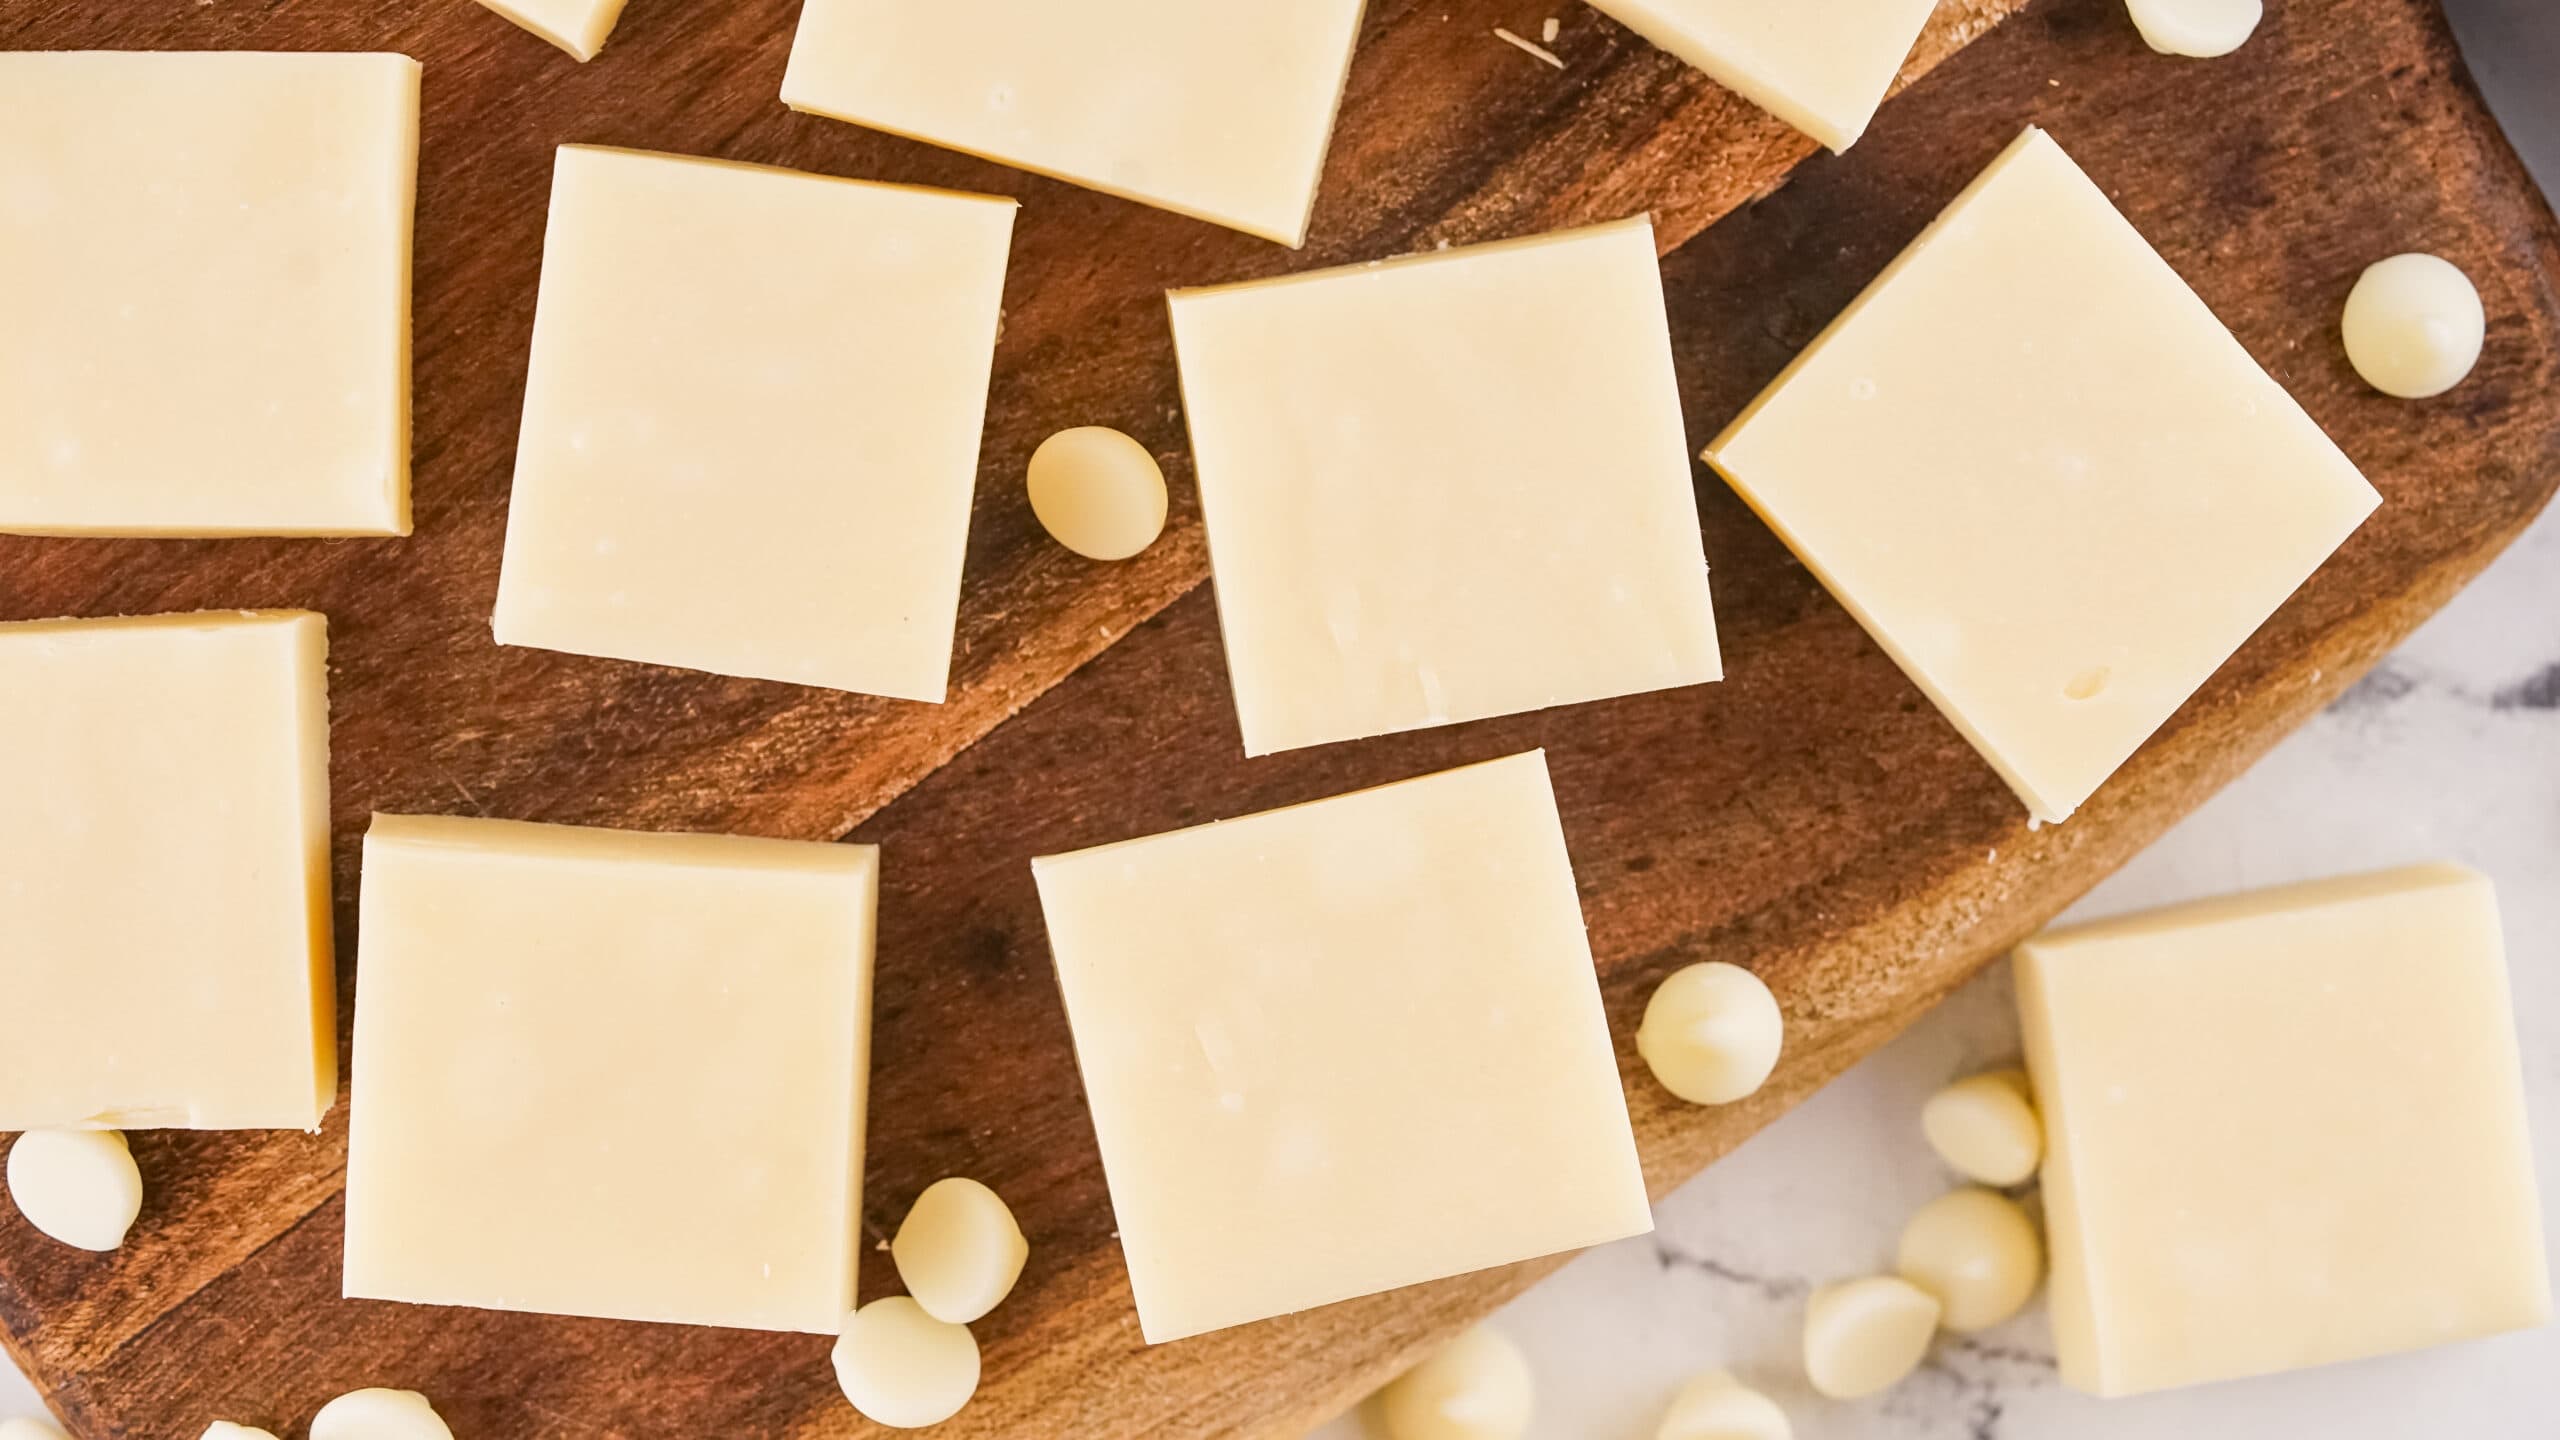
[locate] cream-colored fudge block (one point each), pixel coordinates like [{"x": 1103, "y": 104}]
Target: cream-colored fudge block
[
  {"x": 1218, "y": 111},
  {"x": 1822, "y": 66},
  {"x": 610, "y": 1074},
  {"x": 204, "y": 293},
  {"x": 1446, "y": 487},
  {"x": 2045, "y": 478},
  {"x": 1343, "y": 1047},
  {"x": 2282, "y": 1129},
  {"x": 751, "y": 423},
  {"x": 164, "y": 873},
  {"x": 577, "y": 26}
]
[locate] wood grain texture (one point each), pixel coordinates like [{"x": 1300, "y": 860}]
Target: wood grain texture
[
  {"x": 1446, "y": 134},
  {"x": 1811, "y": 816}
]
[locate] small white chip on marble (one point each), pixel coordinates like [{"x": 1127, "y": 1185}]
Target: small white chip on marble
[
  {"x": 79, "y": 1186},
  {"x": 2199, "y": 28},
  {"x": 22, "y": 1427},
  {"x": 1711, "y": 1033},
  {"x": 2413, "y": 325},
  {"x": 1862, "y": 1336},
  {"x": 231, "y": 1430},
  {"x": 1716, "y": 1406},
  {"x": 1476, "y": 1387},
  {"x": 959, "y": 1250},
  {"x": 1097, "y": 492},
  {"x": 379, "y": 1414},
  {"x": 902, "y": 1368},
  {"x": 1977, "y": 1252},
  {"x": 1986, "y": 1127}
]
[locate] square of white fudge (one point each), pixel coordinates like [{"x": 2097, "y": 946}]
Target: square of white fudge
[
  {"x": 751, "y": 423},
  {"x": 610, "y": 1074},
  {"x": 1343, "y": 1047},
  {"x": 2043, "y": 476},
  {"x": 204, "y": 292},
  {"x": 1822, "y": 66},
  {"x": 576, "y": 26},
  {"x": 1220, "y": 111},
  {"x": 165, "y": 939},
  {"x": 2283, "y": 1129},
  {"x": 1446, "y": 487}
]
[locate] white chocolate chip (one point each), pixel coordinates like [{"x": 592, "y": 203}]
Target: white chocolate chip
[
  {"x": 79, "y": 1186},
  {"x": 234, "y": 1430},
  {"x": 21, "y": 1427},
  {"x": 1977, "y": 1252},
  {"x": 2413, "y": 325},
  {"x": 1097, "y": 492},
  {"x": 902, "y": 1368},
  {"x": 959, "y": 1250},
  {"x": 2200, "y": 28},
  {"x": 379, "y": 1415},
  {"x": 1716, "y": 1406},
  {"x": 1476, "y": 1387},
  {"x": 1986, "y": 1128},
  {"x": 1861, "y": 1336},
  {"x": 1711, "y": 1033}
]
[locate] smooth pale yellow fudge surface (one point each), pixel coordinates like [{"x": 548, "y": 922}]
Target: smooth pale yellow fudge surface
[
  {"x": 1822, "y": 66},
  {"x": 611, "y": 1074},
  {"x": 1343, "y": 1047},
  {"x": 2282, "y": 1129},
  {"x": 2045, "y": 478},
  {"x": 577, "y": 26},
  {"x": 1219, "y": 111},
  {"x": 164, "y": 873},
  {"x": 204, "y": 293},
  {"x": 751, "y": 424},
  {"x": 1446, "y": 487}
]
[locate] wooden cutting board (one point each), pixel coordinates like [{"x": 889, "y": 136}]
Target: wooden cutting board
[{"x": 1811, "y": 817}]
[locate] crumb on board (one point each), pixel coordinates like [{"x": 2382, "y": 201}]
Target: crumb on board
[
  {"x": 1549, "y": 31},
  {"x": 1528, "y": 46}
]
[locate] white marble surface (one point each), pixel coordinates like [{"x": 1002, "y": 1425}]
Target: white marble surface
[{"x": 2450, "y": 749}]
